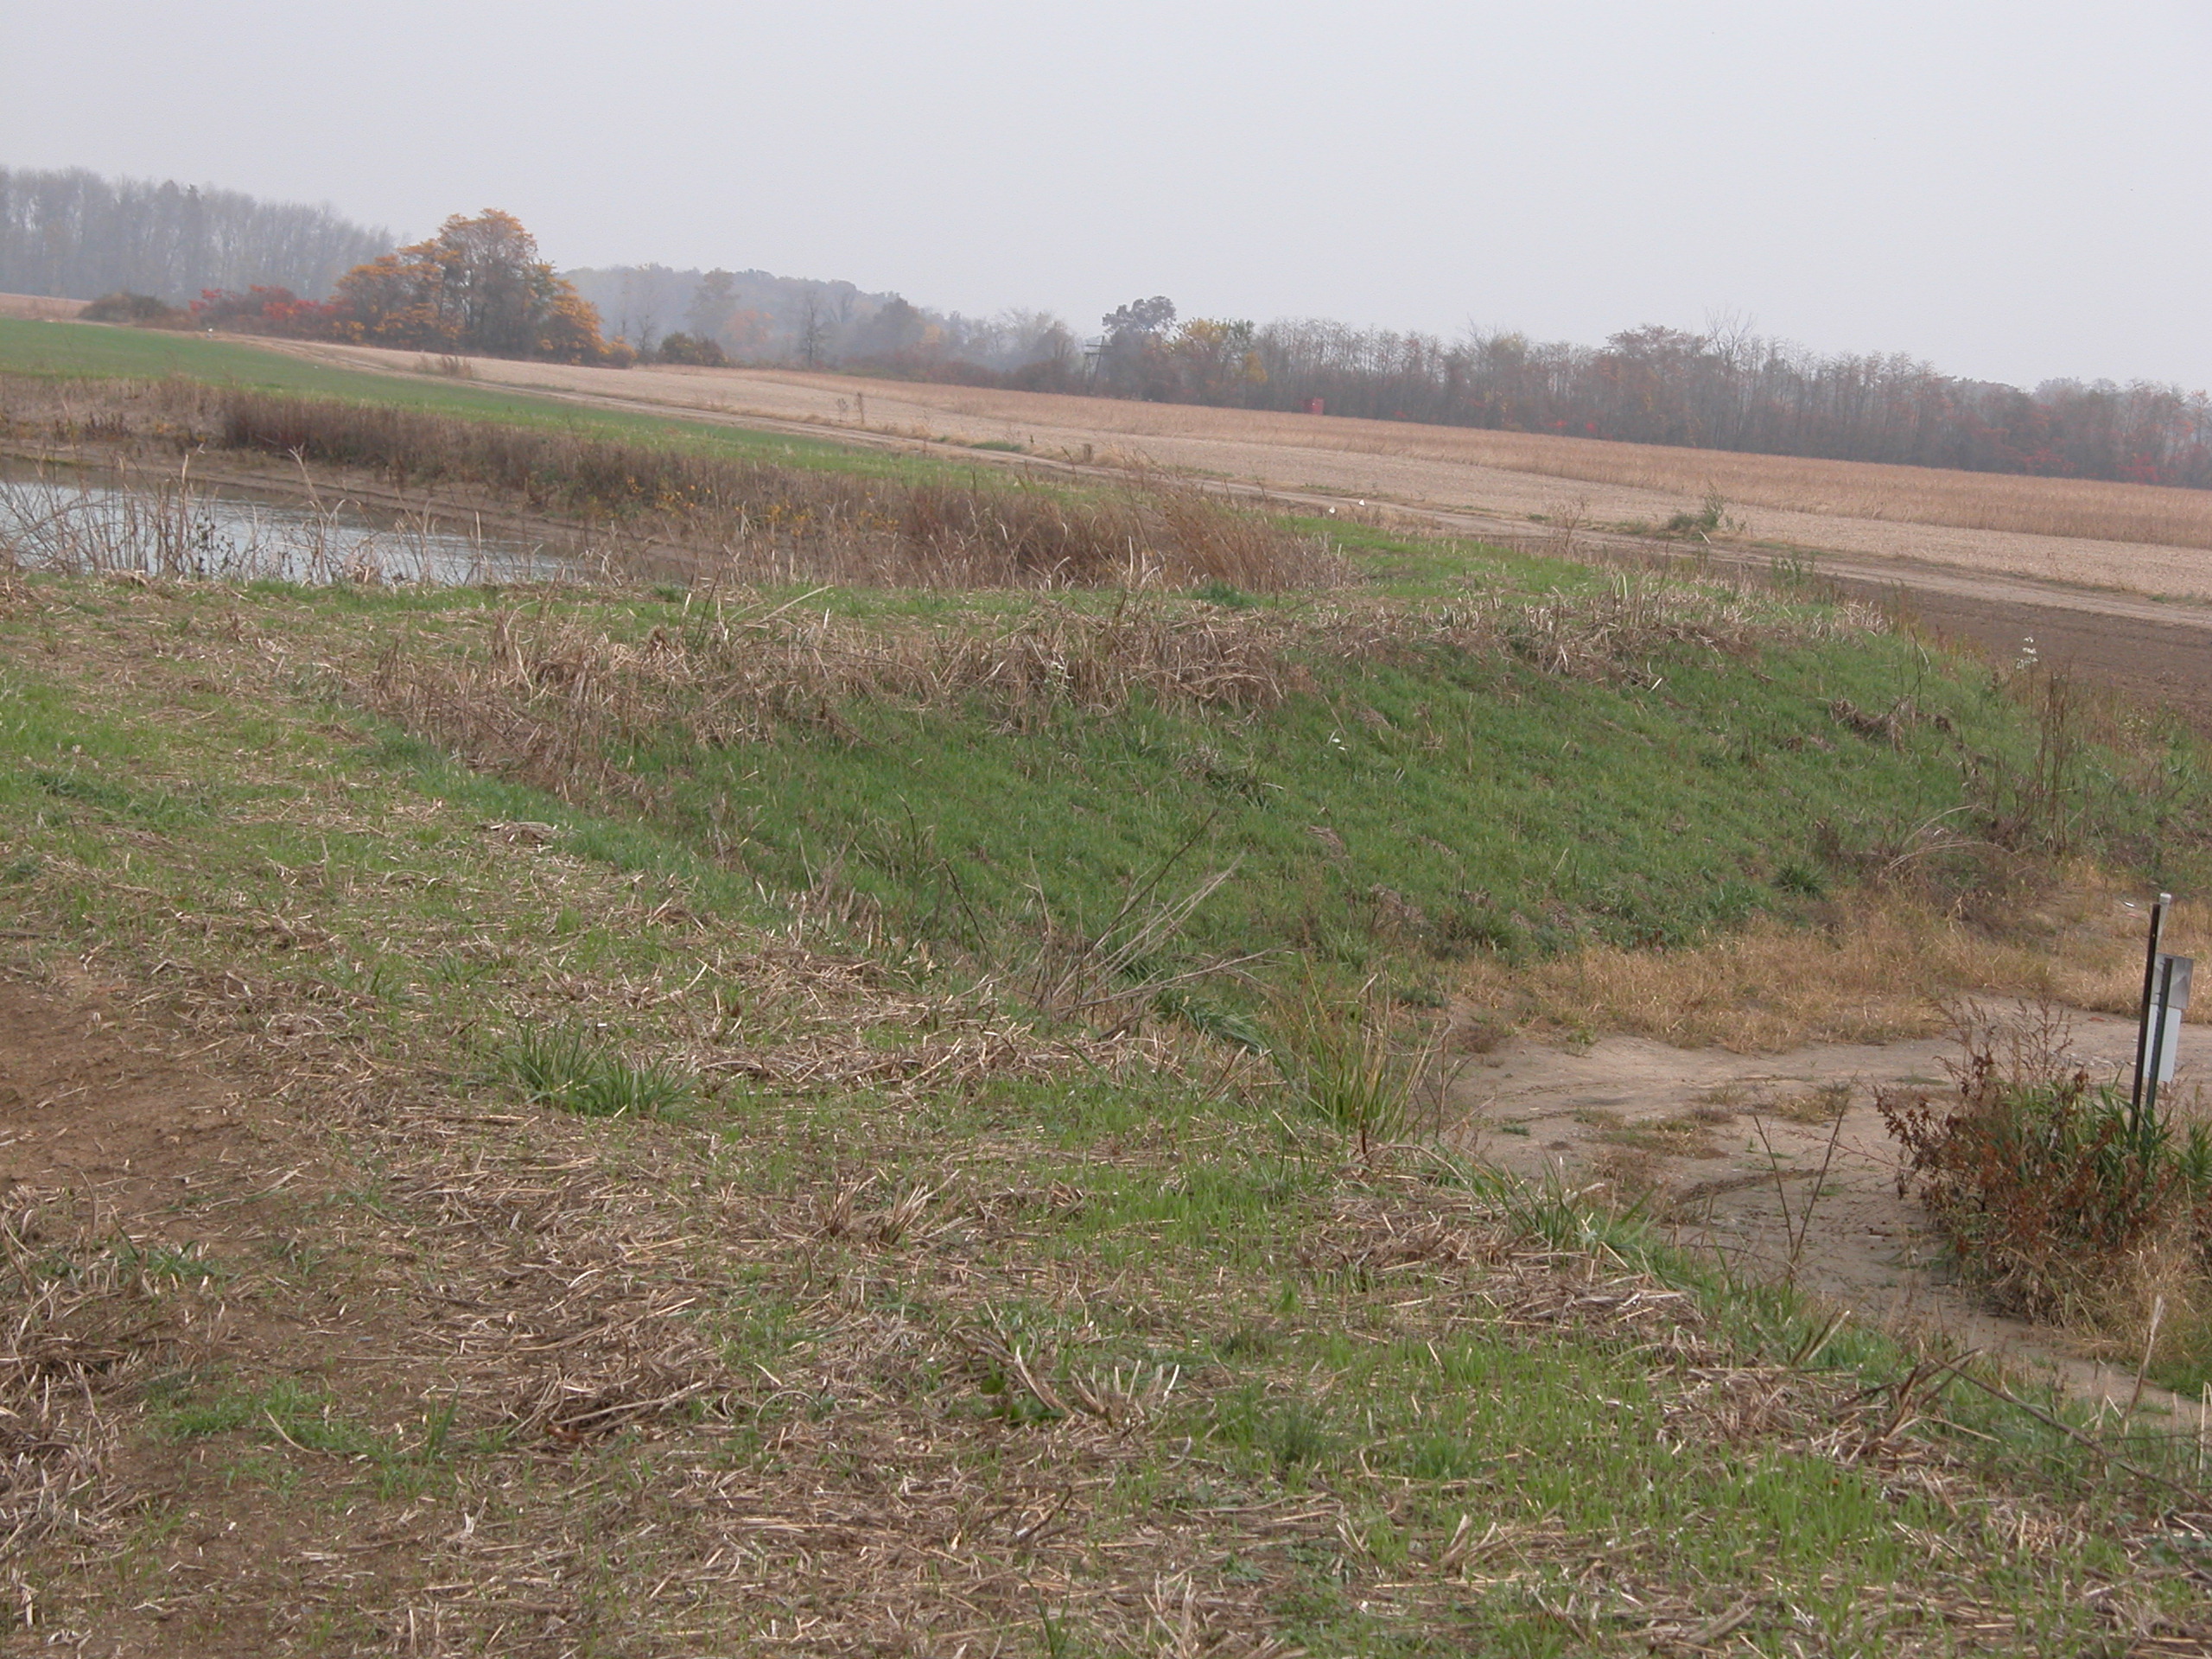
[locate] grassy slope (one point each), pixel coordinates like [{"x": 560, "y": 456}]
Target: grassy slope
[
  {"x": 1362, "y": 1354},
  {"x": 1346, "y": 1387},
  {"x": 91, "y": 351},
  {"x": 1391, "y": 816}
]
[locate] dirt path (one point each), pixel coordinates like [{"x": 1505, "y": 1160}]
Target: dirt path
[
  {"x": 83, "y": 1108},
  {"x": 1778, "y": 1163}
]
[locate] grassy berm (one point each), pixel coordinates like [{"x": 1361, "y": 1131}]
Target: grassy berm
[{"x": 613, "y": 1121}]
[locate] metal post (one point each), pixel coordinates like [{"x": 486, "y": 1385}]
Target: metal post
[
  {"x": 2157, "y": 1045},
  {"x": 2149, "y": 986}
]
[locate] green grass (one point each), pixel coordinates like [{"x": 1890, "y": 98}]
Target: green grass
[
  {"x": 1391, "y": 815},
  {"x": 1516, "y": 812},
  {"x": 571, "y": 1068},
  {"x": 185, "y": 804}
]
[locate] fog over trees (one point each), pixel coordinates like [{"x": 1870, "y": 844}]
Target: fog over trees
[
  {"x": 75, "y": 235},
  {"x": 756, "y": 317}
]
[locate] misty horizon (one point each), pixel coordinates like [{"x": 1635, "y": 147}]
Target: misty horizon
[
  {"x": 2014, "y": 193},
  {"x": 624, "y": 293}
]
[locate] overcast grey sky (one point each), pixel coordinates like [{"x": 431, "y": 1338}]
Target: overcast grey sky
[{"x": 2014, "y": 190}]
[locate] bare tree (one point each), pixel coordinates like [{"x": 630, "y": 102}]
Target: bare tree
[
  {"x": 813, "y": 332},
  {"x": 75, "y": 234}
]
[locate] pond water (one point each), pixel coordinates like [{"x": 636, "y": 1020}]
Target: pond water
[{"x": 73, "y": 519}]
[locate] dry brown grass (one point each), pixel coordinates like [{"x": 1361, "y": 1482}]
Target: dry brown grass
[
  {"x": 1886, "y": 967},
  {"x": 2086, "y": 508},
  {"x": 552, "y": 701},
  {"x": 1055, "y": 423},
  {"x": 657, "y": 507},
  {"x": 860, "y": 1361},
  {"x": 86, "y": 1321},
  {"x": 40, "y": 308}
]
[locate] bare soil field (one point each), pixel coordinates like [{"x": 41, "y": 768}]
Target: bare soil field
[{"x": 2137, "y": 536}]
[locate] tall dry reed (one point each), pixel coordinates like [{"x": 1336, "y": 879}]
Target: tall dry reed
[{"x": 761, "y": 520}]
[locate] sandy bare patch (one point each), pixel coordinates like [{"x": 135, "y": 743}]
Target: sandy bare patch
[{"x": 1779, "y": 1164}]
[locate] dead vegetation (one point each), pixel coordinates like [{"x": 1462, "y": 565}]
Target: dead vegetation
[
  {"x": 88, "y": 1318},
  {"x": 922, "y": 1327},
  {"x": 564, "y": 1430},
  {"x": 2066, "y": 1202},
  {"x": 1859, "y": 503},
  {"x": 1884, "y": 962},
  {"x": 671, "y": 508},
  {"x": 551, "y": 700}
]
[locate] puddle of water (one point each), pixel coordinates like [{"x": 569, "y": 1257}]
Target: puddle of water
[{"x": 74, "y": 520}]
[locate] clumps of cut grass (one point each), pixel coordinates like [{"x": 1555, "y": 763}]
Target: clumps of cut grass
[
  {"x": 551, "y": 701},
  {"x": 1630, "y": 632},
  {"x": 574, "y": 1069},
  {"x": 2050, "y": 1188},
  {"x": 762, "y": 521}
]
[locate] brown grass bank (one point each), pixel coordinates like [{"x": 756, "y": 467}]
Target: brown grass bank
[
  {"x": 754, "y": 521},
  {"x": 1411, "y": 460},
  {"x": 1889, "y": 964}
]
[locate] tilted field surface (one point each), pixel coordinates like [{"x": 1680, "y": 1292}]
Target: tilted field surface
[
  {"x": 2124, "y": 535},
  {"x": 487, "y": 1222}
]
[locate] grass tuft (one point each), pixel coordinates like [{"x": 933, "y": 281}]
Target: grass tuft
[
  {"x": 1364, "y": 1064},
  {"x": 569, "y": 1067}
]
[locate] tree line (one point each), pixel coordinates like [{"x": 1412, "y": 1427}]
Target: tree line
[
  {"x": 163, "y": 254},
  {"x": 73, "y": 234},
  {"x": 480, "y": 285},
  {"x": 1727, "y": 388},
  {"x": 752, "y": 316}
]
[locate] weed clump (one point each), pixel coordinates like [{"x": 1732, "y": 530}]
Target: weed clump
[
  {"x": 567, "y": 1068},
  {"x": 1362, "y": 1065},
  {"x": 2047, "y": 1186}
]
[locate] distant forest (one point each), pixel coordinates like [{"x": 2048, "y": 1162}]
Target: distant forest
[
  {"x": 75, "y": 235},
  {"x": 1725, "y": 388},
  {"x": 750, "y": 316},
  {"x": 241, "y": 263}
]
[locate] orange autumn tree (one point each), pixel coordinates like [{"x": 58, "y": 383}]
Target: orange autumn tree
[{"x": 478, "y": 286}]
